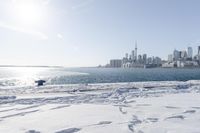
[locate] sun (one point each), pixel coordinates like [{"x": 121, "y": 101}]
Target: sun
[{"x": 28, "y": 12}]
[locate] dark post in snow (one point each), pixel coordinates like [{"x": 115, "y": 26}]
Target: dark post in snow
[{"x": 40, "y": 82}]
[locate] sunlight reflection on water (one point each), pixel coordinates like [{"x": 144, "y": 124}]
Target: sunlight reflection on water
[{"x": 11, "y": 76}]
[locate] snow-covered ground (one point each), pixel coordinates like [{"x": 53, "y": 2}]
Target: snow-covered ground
[{"x": 139, "y": 107}]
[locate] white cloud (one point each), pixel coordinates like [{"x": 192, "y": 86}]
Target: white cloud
[{"x": 23, "y": 30}]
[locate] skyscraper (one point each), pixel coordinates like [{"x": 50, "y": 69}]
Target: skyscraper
[
  {"x": 144, "y": 58},
  {"x": 136, "y": 50},
  {"x": 133, "y": 55},
  {"x": 183, "y": 54},
  {"x": 176, "y": 55},
  {"x": 199, "y": 50},
  {"x": 189, "y": 52},
  {"x": 198, "y": 54}
]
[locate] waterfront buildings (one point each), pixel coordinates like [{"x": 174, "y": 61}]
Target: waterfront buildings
[
  {"x": 183, "y": 58},
  {"x": 190, "y": 52},
  {"x": 179, "y": 59},
  {"x": 136, "y": 60},
  {"x": 170, "y": 58},
  {"x": 115, "y": 63},
  {"x": 176, "y": 55}
]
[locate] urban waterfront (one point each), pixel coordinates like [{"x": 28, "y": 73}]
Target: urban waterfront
[
  {"x": 22, "y": 76},
  {"x": 178, "y": 59}
]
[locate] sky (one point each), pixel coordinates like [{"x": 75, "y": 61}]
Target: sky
[{"x": 76, "y": 33}]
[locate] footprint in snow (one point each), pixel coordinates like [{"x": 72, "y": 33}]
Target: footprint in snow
[
  {"x": 6, "y": 110},
  {"x": 189, "y": 111},
  {"x": 122, "y": 105},
  {"x": 135, "y": 121},
  {"x": 131, "y": 101},
  {"x": 171, "y": 107},
  {"x": 104, "y": 122},
  {"x": 60, "y": 107},
  {"x": 196, "y": 107},
  {"x": 152, "y": 120},
  {"x": 19, "y": 114},
  {"x": 101, "y": 123},
  {"x": 180, "y": 117},
  {"x": 32, "y": 131},
  {"x": 69, "y": 130}
]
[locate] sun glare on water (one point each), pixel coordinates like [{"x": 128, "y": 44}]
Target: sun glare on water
[{"x": 27, "y": 75}]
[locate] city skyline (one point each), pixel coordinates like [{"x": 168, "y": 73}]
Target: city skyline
[
  {"x": 77, "y": 33},
  {"x": 192, "y": 52},
  {"x": 178, "y": 58}
]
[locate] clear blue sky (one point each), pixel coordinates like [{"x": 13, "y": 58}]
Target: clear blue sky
[{"x": 90, "y": 32}]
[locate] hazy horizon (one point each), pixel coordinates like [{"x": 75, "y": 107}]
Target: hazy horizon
[{"x": 77, "y": 33}]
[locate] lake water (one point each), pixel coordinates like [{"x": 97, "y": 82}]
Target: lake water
[{"x": 25, "y": 76}]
